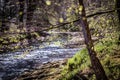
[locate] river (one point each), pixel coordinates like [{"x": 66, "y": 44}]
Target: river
[{"x": 13, "y": 64}]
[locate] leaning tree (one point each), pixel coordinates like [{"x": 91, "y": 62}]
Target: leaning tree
[{"x": 96, "y": 65}]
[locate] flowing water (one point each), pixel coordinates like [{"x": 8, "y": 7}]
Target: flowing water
[{"x": 14, "y": 63}]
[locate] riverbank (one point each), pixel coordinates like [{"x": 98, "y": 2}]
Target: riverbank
[{"x": 47, "y": 71}]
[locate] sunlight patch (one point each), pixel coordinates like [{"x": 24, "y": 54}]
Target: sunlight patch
[{"x": 48, "y": 2}]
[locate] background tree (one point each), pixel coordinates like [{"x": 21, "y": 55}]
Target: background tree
[{"x": 8, "y": 10}]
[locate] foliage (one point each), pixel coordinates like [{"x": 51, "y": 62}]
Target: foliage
[
  {"x": 11, "y": 42},
  {"x": 79, "y": 62},
  {"x": 108, "y": 54}
]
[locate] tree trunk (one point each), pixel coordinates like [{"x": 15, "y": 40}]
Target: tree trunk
[
  {"x": 117, "y": 5},
  {"x": 21, "y": 10},
  {"x": 30, "y": 8},
  {"x": 2, "y": 28},
  {"x": 96, "y": 65}
]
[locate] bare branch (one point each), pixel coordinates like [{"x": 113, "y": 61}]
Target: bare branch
[
  {"x": 88, "y": 16},
  {"x": 62, "y": 24}
]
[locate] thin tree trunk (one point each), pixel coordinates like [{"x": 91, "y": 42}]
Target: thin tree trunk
[
  {"x": 21, "y": 10},
  {"x": 96, "y": 65},
  {"x": 25, "y": 13},
  {"x": 30, "y": 8},
  {"x": 2, "y": 25},
  {"x": 3, "y": 22}
]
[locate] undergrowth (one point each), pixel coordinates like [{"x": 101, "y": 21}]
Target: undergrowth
[{"x": 108, "y": 53}]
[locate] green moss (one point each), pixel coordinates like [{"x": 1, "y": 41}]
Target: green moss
[
  {"x": 108, "y": 53},
  {"x": 79, "y": 62},
  {"x": 79, "y": 59}
]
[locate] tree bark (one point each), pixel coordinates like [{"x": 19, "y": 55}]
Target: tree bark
[
  {"x": 96, "y": 65},
  {"x": 117, "y": 5}
]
